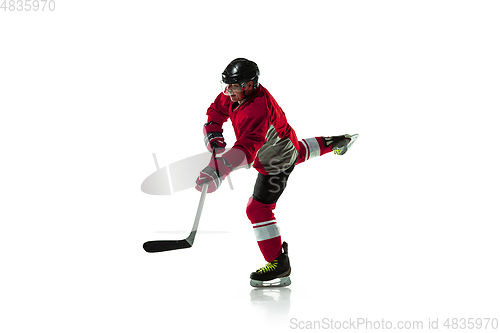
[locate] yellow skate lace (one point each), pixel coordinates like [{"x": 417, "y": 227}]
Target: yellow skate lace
[{"x": 269, "y": 267}]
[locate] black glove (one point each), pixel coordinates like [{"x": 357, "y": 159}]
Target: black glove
[{"x": 213, "y": 137}]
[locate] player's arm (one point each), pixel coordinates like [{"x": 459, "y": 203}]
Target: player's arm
[
  {"x": 217, "y": 113},
  {"x": 252, "y": 136}
]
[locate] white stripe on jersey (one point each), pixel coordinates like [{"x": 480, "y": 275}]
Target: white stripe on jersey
[{"x": 314, "y": 149}]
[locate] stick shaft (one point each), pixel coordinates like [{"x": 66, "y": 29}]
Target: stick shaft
[
  {"x": 204, "y": 190},
  {"x": 200, "y": 207},
  {"x": 230, "y": 182}
]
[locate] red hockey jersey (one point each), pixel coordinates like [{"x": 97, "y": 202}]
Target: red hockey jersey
[{"x": 264, "y": 138}]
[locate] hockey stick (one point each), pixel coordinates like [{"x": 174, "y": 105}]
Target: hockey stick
[{"x": 168, "y": 245}]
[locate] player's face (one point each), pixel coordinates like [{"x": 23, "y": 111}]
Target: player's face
[{"x": 235, "y": 92}]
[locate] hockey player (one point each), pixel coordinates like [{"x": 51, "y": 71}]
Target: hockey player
[{"x": 266, "y": 141}]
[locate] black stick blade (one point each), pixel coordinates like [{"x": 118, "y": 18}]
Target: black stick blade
[{"x": 165, "y": 245}]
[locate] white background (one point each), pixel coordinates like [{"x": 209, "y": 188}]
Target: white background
[{"x": 402, "y": 227}]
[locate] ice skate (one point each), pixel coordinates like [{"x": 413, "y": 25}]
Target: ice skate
[
  {"x": 275, "y": 273},
  {"x": 340, "y": 144}
]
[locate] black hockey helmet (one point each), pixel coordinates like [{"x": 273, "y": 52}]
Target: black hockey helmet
[{"x": 241, "y": 71}]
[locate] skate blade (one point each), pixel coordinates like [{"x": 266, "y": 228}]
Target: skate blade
[
  {"x": 279, "y": 282},
  {"x": 354, "y": 137}
]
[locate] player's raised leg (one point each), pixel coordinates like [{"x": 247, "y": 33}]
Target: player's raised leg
[{"x": 318, "y": 146}]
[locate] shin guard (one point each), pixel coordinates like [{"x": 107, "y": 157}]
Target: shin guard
[{"x": 265, "y": 228}]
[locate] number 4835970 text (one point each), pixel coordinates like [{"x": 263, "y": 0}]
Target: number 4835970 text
[{"x": 28, "y": 5}]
